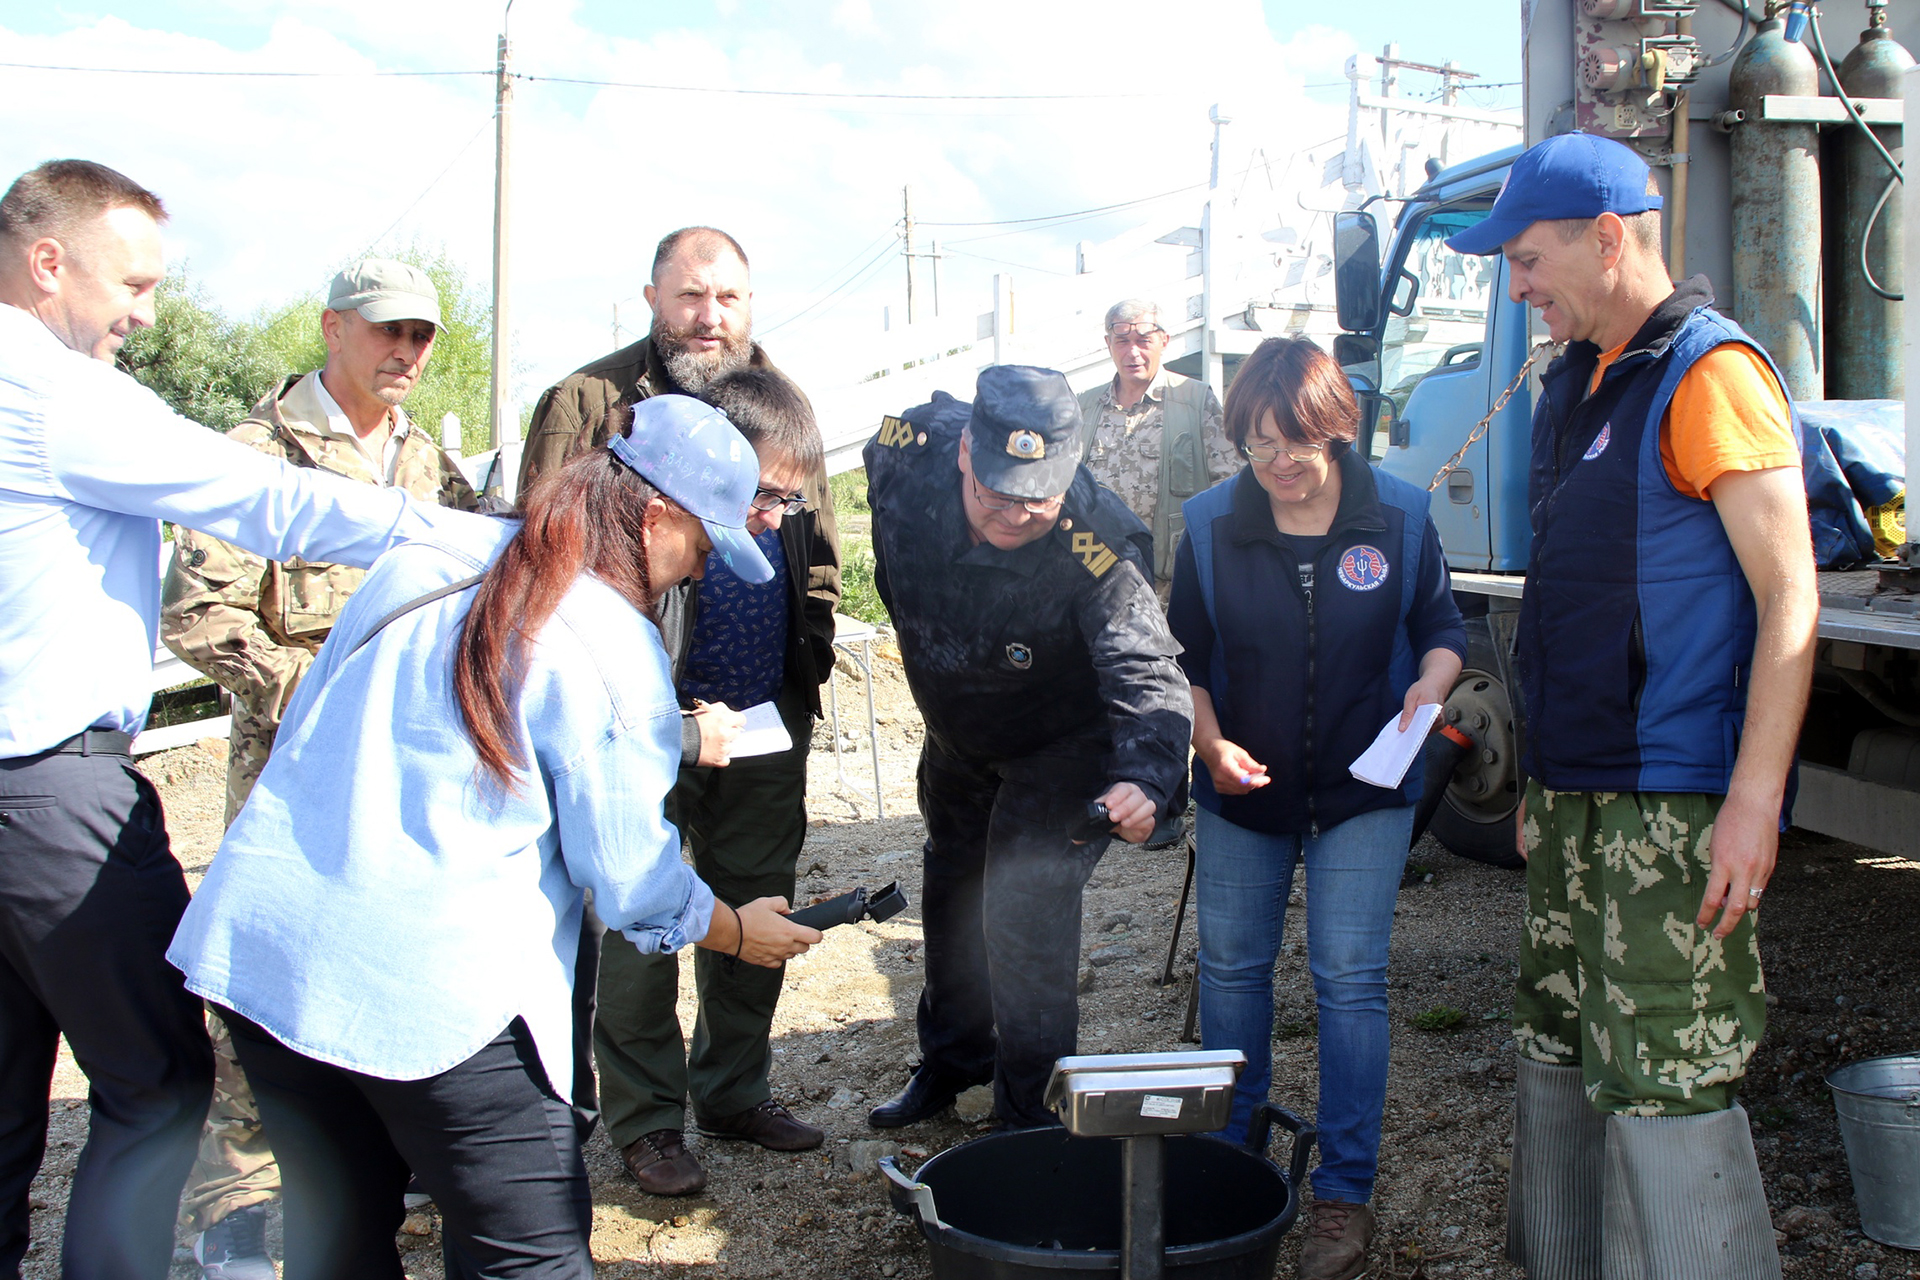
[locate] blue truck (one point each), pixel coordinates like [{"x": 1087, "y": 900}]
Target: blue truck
[{"x": 1432, "y": 340}]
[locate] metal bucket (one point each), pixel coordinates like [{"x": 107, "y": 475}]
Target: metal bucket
[
  {"x": 1878, "y": 1102},
  {"x": 1031, "y": 1203}
]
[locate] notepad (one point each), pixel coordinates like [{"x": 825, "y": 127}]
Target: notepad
[
  {"x": 764, "y": 733},
  {"x": 1386, "y": 762}
]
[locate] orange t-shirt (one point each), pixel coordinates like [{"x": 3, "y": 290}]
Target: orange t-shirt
[{"x": 1727, "y": 414}]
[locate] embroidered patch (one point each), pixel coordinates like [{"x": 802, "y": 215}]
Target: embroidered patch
[
  {"x": 1093, "y": 553},
  {"x": 895, "y": 433},
  {"x": 1362, "y": 568},
  {"x": 1599, "y": 445},
  {"x": 1020, "y": 655}
]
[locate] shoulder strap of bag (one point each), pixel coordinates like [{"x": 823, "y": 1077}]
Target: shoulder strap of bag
[{"x": 452, "y": 588}]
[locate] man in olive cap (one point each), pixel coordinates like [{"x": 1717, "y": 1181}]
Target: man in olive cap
[
  {"x": 1022, "y": 594},
  {"x": 254, "y": 625}
]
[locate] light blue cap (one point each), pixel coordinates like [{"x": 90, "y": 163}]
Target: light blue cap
[{"x": 690, "y": 452}]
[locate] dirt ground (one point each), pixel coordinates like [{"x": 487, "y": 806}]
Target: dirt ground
[{"x": 1837, "y": 939}]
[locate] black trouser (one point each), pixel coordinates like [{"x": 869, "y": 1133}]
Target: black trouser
[
  {"x": 1001, "y": 911},
  {"x": 491, "y": 1141},
  {"x": 90, "y": 894}
]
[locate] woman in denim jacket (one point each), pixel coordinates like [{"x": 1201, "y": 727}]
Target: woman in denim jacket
[{"x": 390, "y": 926}]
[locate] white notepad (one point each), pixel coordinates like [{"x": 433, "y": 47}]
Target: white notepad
[
  {"x": 1386, "y": 762},
  {"x": 764, "y": 733}
]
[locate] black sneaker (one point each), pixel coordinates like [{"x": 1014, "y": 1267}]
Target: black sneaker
[{"x": 235, "y": 1248}]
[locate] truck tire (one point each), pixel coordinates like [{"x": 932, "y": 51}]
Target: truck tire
[{"x": 1475, "y": 820}]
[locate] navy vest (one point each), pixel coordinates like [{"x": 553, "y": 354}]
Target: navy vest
[
  {"x": 1637, "y": 629},
  {"x": 1308, "y": 728}
]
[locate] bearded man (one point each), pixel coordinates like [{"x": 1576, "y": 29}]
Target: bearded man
[
  {"x": 702, "y": 328},
  {"x": 734, "y": 645}
]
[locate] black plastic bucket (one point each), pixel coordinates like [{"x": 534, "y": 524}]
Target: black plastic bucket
[{"x": 1026, "y": 1204}]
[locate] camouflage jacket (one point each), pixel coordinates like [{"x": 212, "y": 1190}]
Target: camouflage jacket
[
  {"x": 1164, "y": 448},
  {"x": 253, "y": 625}
]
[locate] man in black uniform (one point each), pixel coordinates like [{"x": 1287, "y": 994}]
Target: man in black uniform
[{"x": 1022, "y": 594}]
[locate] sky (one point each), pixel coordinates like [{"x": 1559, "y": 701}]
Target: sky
[{"x": 993, "y": 111}]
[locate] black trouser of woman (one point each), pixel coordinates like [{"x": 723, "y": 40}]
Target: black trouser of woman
[{"x": 490, "y": 1140}]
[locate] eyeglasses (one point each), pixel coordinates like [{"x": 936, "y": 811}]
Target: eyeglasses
[
  {"x": 1298, "y": 452},
  {"x": 1136, "y": 334},
  {"x": 767, "y": 502},
  {"x": 997, "y": 502}
]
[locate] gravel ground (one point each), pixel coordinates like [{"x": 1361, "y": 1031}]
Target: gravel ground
[{"x": 1837, "y": 941}]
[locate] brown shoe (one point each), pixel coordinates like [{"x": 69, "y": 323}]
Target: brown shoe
[
  {"x": 662, "y": 1165},
  {"x": 1338, "y": 1234},
  {"x": 769, "y": 1124}
]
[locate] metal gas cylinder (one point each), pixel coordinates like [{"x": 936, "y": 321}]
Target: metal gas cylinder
[
  {"x": 1866, "y": 335},
  {"x": 1775, "y": 174}
]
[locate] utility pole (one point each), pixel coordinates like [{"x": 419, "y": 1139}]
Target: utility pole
[
  {"x": 1212, "y": 368},
  {"x": 935, "y": 255},
  {"x": 502, "y": 431},
  {"x": 616, "y": 326},
  {"x": 906, "y": 205}
]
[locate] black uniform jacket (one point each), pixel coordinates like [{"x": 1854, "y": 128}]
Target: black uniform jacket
[{"x": 1056, "y": 649}]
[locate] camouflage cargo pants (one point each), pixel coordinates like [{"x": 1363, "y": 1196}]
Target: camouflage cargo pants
[
  {"x": 235, "y": 1167},
  {"x": 1615, "y": 977}
]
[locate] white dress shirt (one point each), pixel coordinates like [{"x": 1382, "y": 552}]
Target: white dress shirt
[
  {"x": 340, "y": 425},
  {"x": 90, "y": 463}
]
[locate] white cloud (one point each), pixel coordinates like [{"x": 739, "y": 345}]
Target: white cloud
[{"x": 274, "y": 181}]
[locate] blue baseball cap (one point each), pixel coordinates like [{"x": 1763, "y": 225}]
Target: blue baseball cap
[
  {"x": 690, "y": 452},
  {"x": 1571, "y": 175}
]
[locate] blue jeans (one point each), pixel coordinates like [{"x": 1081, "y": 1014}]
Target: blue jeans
[{"x": 1242, "y": 879}]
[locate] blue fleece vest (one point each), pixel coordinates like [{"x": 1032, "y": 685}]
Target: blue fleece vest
[
  {"x": 1343, "y": 719},
  {"x": 1637, "y": 629}
]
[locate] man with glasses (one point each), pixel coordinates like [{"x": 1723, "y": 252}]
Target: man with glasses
[
  {"x": 1150, "y": 435},
  {"x": 734, "y": 645},
  {"x": 1046, "y": 676}
]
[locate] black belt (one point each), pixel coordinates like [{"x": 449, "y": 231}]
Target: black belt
[{"x": 96, "y": 742}]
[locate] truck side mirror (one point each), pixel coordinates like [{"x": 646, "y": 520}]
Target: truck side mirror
[
  {"x": 1356, "y": 270},
  {"x": 1379, "y": 416}
]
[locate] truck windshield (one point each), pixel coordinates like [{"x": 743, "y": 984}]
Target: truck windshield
[{"x": 1446, "y": 315}]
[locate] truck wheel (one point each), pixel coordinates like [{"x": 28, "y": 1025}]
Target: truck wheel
[{"x": 1475, "y": 820}]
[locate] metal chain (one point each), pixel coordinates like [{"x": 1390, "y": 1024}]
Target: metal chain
[{"x": 1480, "y": 428}]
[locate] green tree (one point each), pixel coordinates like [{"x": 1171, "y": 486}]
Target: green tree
[{"x": 203, "y": 365}]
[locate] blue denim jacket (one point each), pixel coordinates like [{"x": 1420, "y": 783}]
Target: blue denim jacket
[{"x": 381, "y": 905}]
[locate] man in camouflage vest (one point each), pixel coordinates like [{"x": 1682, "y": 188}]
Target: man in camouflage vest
[
  {"x": 1150, "y": 435},
  {"x": 254, "y": 625}
]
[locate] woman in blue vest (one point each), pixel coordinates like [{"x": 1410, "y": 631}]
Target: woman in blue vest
[{"x": 1314, "y": 605}]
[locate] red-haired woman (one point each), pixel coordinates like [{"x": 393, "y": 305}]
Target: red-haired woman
[
  {"x": 390, "y": 925},
  {"x": 1314, "y": 605}
]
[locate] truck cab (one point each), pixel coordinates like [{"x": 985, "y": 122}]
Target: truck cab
[{"x": 1431, "y": 341}]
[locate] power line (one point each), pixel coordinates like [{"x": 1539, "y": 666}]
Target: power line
[
  {"x": 273, "y": 75},
  {"x": 464, "y": 147},
  {"x": 859, "y": 277},
  {"x": 1049, "y": 217},
  {"x": 843, "y": 96}
]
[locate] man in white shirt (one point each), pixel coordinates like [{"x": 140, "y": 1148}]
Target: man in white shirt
[{"x": 90, "y": 464}]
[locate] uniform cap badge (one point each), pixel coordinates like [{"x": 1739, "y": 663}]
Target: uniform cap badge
[
  {"x": 1020, "y": 655},
  {"x": 1027, "y": 446}
]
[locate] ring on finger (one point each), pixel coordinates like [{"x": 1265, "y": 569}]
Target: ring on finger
[{"x": 1754, "y": 894}]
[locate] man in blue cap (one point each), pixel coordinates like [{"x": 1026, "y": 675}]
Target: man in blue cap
[
  {"x": 1665, "y": 652},
  {"x": 1022, "y": 594}
]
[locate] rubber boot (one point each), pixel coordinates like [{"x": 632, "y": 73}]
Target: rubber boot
[
  {"x": 1559, "y": 1169},
  {"x": 1684, "y": 1201}
]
